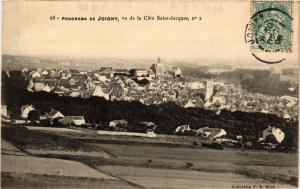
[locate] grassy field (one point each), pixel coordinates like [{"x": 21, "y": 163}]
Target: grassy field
[
  {"x": 46, "y": 166},
  {"x": 276, "y": 167},
  {"x": 141, "y": 161},
  {"x": 178, "y": 179},
  {"x": 33, "y": 139},
  {"x": 91, "y": 136},
  {"x": 33, "y": 181}
]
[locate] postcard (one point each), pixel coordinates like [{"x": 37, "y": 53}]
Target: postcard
[{"x": 156, "y": 94}]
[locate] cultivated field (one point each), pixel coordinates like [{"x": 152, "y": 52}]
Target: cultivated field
[
  {"x": 162, "y": 162},
  {"x": 9, "y": 149},
  {"x": 33, "y": 181},
  {"x": 47, "y": 166},
  {"x": 34, "y": 141},
  {"x": 178, "y": 179},
  {"x": 274, "y": 167}
]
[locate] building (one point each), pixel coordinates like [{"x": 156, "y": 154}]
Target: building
[
  {"x": 118, "y": 125},
  {"x": 276, "y": 132},
  {"x": 25, "y": 111},
  {"x": 148, "y": 127},
  {"x": 121, "y": 72},
  {"x": 4, "y": 111},
  {"x": 38, "y": 86},
  {"x": 159, "y": 69},
  {"x": 211, "y": 133},
  {"x": 218, "y": 100},
  {"x": 99, "y": 92},
  {"x": 182, "y": 129},
  {"x": 190, "y": 104},
  {"x": 194, "y": 85},
  {"x": 76, "y": 120},
  {"x": 52, "y": 115},
  {"x": 209, "y": 90},
  {"x": 140, "y": 73}
]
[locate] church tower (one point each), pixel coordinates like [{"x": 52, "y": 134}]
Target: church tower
[{"x": 209, "y": 89}]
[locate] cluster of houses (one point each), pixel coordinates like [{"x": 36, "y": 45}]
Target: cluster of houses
[
  {"x": 270, "y": 137},
  {"x": 53, "y": 117},
  {"x": 105, "y": 80},
  {"x": 213, "y": 134},
  {"x": 234, "y": 98},
  {"x": 160, "y": 83},
  {"x": 56, "y": 118},
  {"x": 210, "y": 133}
]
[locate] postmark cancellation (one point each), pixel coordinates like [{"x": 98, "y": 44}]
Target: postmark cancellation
[{"x": 271, "y": 26}]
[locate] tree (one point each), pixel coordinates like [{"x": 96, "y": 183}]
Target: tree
[
  {"x": 271, "y": 139},
  {"x": 33, "y": 116}
]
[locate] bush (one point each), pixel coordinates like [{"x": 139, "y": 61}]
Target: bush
[
  {"x": 189, "y": 164},
  {"x": 214, "y": 145},
  {"x": 149, "y": 162}
]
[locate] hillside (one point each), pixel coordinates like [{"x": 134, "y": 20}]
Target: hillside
[{"x": 167, "y": 115}]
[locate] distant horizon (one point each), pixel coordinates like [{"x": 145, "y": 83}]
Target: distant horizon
[{"x": 80, "y": 63}]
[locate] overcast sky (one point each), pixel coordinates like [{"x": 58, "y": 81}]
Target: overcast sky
[{"x": 219, "y": 36}]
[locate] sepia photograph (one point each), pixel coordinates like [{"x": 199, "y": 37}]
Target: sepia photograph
[{"x": 150, "y": 94}]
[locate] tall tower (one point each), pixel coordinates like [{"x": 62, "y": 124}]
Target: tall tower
[
  {"x": 209, "y": 89},
  {"x": 157, "y": 68}
]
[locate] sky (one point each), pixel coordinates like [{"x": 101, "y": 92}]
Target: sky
[{"x": 218, "y": 37}]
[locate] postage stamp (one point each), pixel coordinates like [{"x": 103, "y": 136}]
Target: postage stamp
[{"x": 271, "y": 26}]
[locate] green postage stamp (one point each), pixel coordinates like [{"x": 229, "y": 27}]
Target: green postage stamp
[{"x": 271, "y": 26}]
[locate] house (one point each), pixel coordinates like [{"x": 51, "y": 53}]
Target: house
[
  {"x": 25, "y": 110},
  {"x": 211, "y": 133},
  {"x": 35, "y": 74},
  {"x": 102, "y": 78},
  {"x": 4, "y": 111},
  {"x": 182, "y": 129},
  {"x": 38, "y": 86},
  {"x": 76, "y": 120},
  {"x": 147, "y": 126},
  {"x": 175, "y": 71},
  {"x": 121, "y": 72},
  {"x": 46, "y": 88},
  {"x": 272, "y": 131},
  {"x": 75, "y": 93},
  {"x": 195, "y": 85},
  {"x": 189, "y": 104},
  {"x": 140, "y": 73},
  {"x": 218, "y": 100},
  {"x": 118, "y": 124},
  {"x": 52, "y": 115},
  {"x": 286, "y": 115},
  {"x": 66, "y": 121},
  {"x": 30, "y": 86},
  {"x": 98, "y": 92},
  {"x": 45, "y": 72}
]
